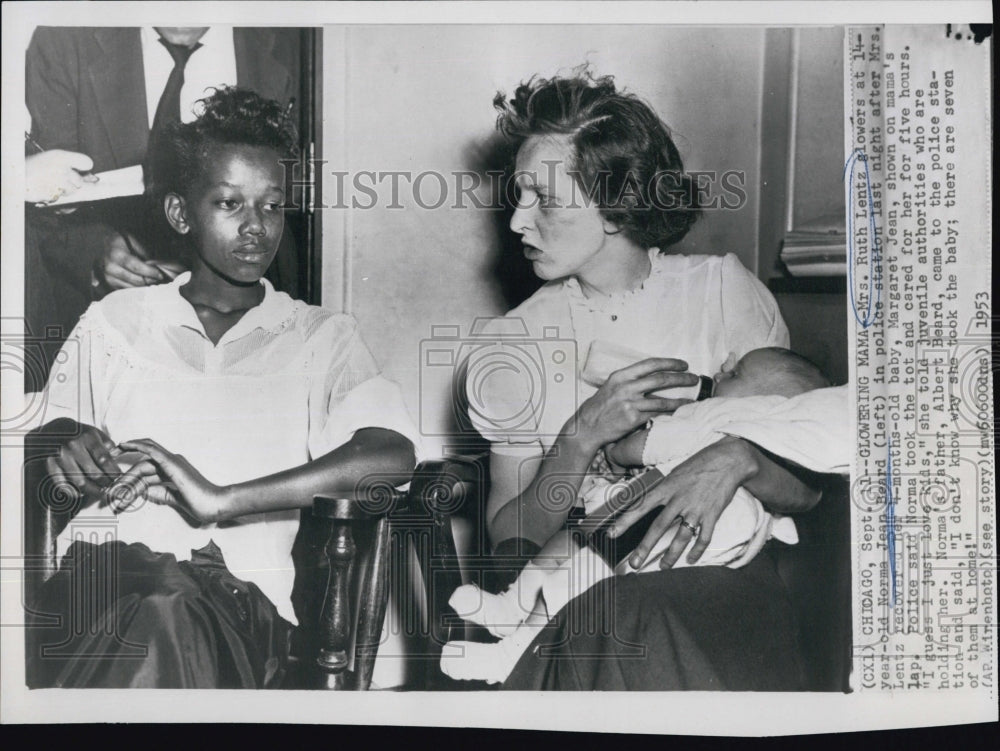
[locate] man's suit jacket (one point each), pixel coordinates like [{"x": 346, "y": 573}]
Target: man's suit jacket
[{"x": 86, "y": 92}]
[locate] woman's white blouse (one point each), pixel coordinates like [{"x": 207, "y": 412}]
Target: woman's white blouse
[
  {"x": 287, "y": 384},
  {"x": 706, "y": 310}
]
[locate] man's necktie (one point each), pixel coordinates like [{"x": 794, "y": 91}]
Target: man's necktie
[
  {"x": 169, "y": 108},
  {"x": 150, "y": 223}
]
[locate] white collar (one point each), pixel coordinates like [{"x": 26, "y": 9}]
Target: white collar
[
  {"x": 602, "y": 303},
  {"x": 175, "y": 310},
  {"x": 150, "y": 37}
]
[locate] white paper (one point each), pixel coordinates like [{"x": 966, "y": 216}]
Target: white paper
[{"x": 118, "y": 183}]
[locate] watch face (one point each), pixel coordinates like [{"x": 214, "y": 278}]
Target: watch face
[{"x": 706, "y": 389}]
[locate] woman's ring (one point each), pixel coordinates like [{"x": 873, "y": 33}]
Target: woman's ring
[{"x": 684, "y": 523}]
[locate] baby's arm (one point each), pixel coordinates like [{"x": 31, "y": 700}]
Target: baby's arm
[{"x": 628, "y": 451}]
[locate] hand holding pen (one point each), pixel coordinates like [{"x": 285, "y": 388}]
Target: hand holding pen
[
  {"x": 125, "y": 263},
  {"x": 50, "y": 175}
]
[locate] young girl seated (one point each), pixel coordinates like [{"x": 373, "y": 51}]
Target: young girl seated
[
  {"x": 765, "y": 384},
  {"x": 242, "y": 404}
]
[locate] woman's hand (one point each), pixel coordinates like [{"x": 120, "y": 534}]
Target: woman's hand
[
  {"x": 85, "y": 463},
  {"x": 621, "y": 404},
  {"x": 693, "y": 495},
  {"x": 175, "y": 483}
]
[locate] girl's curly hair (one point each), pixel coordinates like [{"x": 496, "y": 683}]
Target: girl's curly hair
[
  {"x": 623, "y": 154},
  {"x": 228, "y": 116}
]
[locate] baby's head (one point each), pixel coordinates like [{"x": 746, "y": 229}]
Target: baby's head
[{"x": 769, "y": 371}]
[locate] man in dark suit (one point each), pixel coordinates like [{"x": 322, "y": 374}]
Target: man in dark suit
[{"x": 86, "y": 91}]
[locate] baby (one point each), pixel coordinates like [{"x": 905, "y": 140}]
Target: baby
[{"x": 564, "y": 569}]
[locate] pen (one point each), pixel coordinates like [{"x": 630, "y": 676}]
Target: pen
[
  {"x": 32, "y": 142},
  {"x": 132, "y": 251},
  {"x": 165, "y": 274}
]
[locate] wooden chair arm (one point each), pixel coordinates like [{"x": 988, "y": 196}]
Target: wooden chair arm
[
  {"x": 47, "y": 508},
  {"x": 436, "y": 490}
]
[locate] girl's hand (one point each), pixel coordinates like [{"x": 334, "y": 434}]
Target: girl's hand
[
  {"x": 180, "y": 485},
  {"x": 85, "y": 463},
  {"x": 693, "y": 495},
  {"x": 621, "y": 404}
]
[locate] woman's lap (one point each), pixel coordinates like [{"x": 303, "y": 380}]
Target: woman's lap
[
  {"x": 702, "y": 628},
  {"x": 118, "y": 616}
]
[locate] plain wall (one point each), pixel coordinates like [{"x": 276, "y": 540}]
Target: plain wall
[
  {"x": 819, "y": 131},
  {"x": 419, "y": 98},
  {"x": 802, "y": 136}
]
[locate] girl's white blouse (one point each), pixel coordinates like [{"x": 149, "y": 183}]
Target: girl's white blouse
[{"x": 287, "y": 384}]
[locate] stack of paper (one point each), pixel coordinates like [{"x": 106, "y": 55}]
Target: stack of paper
[{"x": 818, "y": 248}]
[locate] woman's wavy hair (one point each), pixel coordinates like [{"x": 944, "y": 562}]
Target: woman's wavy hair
[
  {"x": 229, "y": 116},
  {"x": 623, "y": 154}
]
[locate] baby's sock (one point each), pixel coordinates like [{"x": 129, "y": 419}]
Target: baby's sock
[
  {"x": 500, "y": 614},
  {"x": 472, "y": 661}
]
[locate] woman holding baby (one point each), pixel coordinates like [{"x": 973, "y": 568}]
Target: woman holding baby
[{"x": 601, "y": 200}]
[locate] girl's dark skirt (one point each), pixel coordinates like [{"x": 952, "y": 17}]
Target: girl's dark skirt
[
  {"x": 702, "y": 628},
  {"x": 122, "y": 616}
]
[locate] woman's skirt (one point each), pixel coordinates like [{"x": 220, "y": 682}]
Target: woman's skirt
[
  {"x": 122, "y": 616},
  {"x": 700, "y": 628}
]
